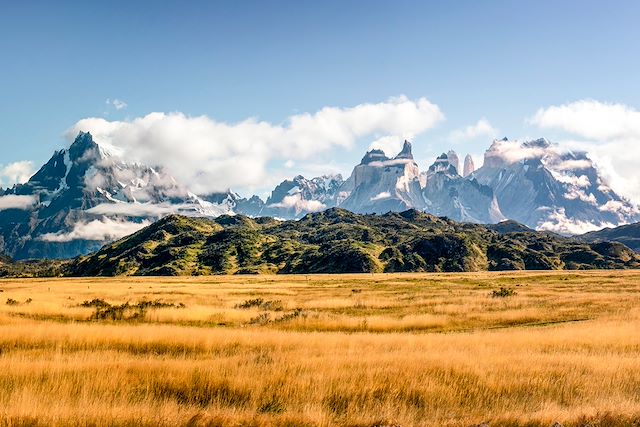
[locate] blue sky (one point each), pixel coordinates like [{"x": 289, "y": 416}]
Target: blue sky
[{"x": 498, "y": 60}]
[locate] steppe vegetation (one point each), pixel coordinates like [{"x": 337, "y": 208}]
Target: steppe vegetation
[{"x": 505, "y": 349}]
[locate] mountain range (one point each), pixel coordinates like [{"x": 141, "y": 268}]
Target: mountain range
[{"x": 87, "y": 195}]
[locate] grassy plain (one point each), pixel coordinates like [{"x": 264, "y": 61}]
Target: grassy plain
[{"x": 357, "y": 350}]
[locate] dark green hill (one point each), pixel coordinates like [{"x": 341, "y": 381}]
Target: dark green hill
[
  {"x": 509, "y": 226},
  {"x": 338, "y": 241},
  {"x": 628, "y": 235}
]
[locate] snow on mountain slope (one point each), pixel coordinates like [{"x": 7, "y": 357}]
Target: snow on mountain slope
[
  {"x": 85, "y": 196},
  {"x": 380, "y": 184},
  {"x": 449, "y": 194},
  {"x": 546, "y": 188}
]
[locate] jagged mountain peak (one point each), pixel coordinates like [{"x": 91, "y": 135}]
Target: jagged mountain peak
[
  {"x": 82, "y": 145},
  {"x": 85, "y": 149},
  {"x": 454, "y": 160},
  {"x": 469, "y": 166},
  {"x": 442, "y": 164},
  {"x": 375, "y": 155},
  {"x": 537, "y": 143},
  {"x": 405, "y": 153}
]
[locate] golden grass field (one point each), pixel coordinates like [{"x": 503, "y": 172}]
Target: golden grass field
[{"x": 357, "y": 350}]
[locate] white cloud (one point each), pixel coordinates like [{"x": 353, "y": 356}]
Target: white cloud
[
  {"x": 16, "y": 173},
  {"x": 391, "y": 162},
  {"x": 208, "y": 155},
  {"x": 381, "y": 196},
  {"x": 102, "y": 230},
  {"x": 573, "y": 165},
  {"x": 296, "y": 202},
  {"x": 514, "y": 151},
  {"x": 581, "y": 181},
  {"x": 133, "y": 209},
  {"x": 558, "y": 222},
  {"x": 591, "y": 119},
  {"x": 391, "y": 145},
  {"x": 481, "y": 128},
  {"x": 610, "y": 133},
  {"x": 158, "y": 210},
  {"x": 116, "y": 103},
  {"x": 618, "y": 207},
  {"x": 17, "y": 202},
  {"x": 577, "y": 194}
]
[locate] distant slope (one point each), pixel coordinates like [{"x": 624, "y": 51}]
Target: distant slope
[
  {"x": 509, "y": 226},
  {"x": 628, "y": 235},
  {"x": 338, "y": 241}
]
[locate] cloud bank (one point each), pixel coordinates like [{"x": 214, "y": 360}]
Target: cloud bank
[
  {"x": 296, "y": 202},
  {"x": 16, "y": 173},
  {"x": 558, "y": 222},
  {"x": 591, "y": 119},
  {"x": 482, "y": 128},
  {"x": 17, "y": 202},
  {"x": 209, "y": 156},
  {"x": 101, "y": 230}
]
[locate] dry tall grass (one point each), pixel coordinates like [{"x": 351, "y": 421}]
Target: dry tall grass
[{"x": 407, "y": 350}]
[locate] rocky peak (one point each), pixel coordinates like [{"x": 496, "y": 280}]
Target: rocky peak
[
  {"x": 537, "y": 143},
  {"x": 442, "y": 165},
  {"x": 405, "y": 153},
  {"x": 469, "y": 167},
  {"x": 375, "y": 155},
  {"x": 454, "y": 160},
  {"x": 84, "y": 148}
]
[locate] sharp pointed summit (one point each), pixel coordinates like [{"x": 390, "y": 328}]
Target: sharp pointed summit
[
  {"x": 405, "y": 153},
  {"x": 469, "y": 167}
]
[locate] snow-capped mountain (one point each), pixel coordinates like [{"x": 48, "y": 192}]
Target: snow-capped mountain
[
  {"x": 296, "y": 197},
  {"x": 545, "y": 188},
  {"x": 88, "y": 195},
  {"x": 380, "y": 184},
  {"x": 85, "y": 196},
  {"x": 292, "y": 198},
  {"x": 449, "y": 194}
]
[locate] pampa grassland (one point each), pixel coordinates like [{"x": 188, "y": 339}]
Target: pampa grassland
[{"x": 506, "y": 349}]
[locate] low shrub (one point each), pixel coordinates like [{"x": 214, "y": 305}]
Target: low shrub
[
  {"x": 126, "y": 311},
  {"x": 503, "y": 293},
  {"x": 275, "y": 305}
]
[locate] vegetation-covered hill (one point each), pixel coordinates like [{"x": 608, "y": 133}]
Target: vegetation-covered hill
[
  {"x": 338, "y": 241},
  {"x": 628, "y": 234}
]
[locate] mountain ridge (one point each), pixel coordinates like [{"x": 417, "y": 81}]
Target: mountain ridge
[
  {"x": 628, "y": 234},
  {"x": 87, "y": 195},
  {"x": 339, "y": 241}
]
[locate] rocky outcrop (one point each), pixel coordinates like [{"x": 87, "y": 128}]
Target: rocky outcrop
[
  {"x": 448, "y": 194},
  {"x": 469, "y": 167},
  {"x": 454, "y": 160}
]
